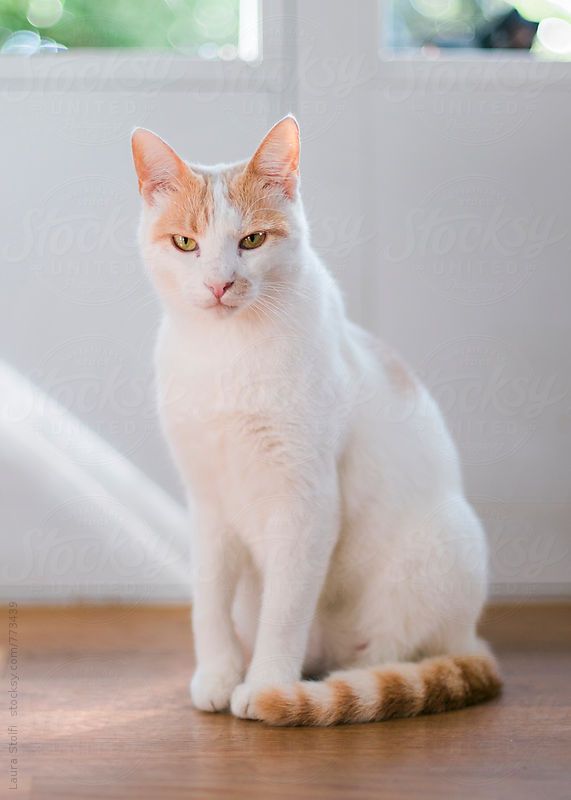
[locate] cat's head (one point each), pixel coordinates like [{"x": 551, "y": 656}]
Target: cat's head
[{"x": 221, "y": 239}]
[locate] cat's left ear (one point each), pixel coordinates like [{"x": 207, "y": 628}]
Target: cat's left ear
[
  {"x": 277, "y": 157},
  {"x": 158, "y": 167}
]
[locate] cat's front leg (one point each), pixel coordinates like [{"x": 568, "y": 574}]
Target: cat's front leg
[
  {"x": 219, "y": 659},
  {"x": 298, "y": 542}
]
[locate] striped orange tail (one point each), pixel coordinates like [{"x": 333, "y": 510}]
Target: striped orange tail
[{"x": 406, "y": 689}]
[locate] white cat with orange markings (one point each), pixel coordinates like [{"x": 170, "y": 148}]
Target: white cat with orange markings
[{"x": 331, "y": 535}]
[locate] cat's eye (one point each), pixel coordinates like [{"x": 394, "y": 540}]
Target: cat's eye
[
  {"x": 184, "y": 243},
  {"x": 252, "y": 240}
]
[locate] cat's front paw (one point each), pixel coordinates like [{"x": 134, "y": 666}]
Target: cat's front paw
[
  {"x": 211, "y": 689},
  {"x": 242, "y": 704}
]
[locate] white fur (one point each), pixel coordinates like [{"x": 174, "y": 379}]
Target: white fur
[{"x": 330, "y": 526}]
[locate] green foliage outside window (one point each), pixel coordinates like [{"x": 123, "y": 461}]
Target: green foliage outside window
[{"x": 201, "y": 27}]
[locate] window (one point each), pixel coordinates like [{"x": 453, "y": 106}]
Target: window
[
  {"x": 540, "y": 26},
  {"x": 208, "y": 29}
]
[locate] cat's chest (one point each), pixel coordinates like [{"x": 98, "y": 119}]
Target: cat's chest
[
  {"x": 230, "y": 384},
  {"x": 234, "y": 443},
  {"x": 224, "y": 409},
  {"x": 207, "y": 396},
  {"x": 248, "y": 415}
]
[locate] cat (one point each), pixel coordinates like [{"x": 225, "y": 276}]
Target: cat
[{"x": 330, "y": 534}]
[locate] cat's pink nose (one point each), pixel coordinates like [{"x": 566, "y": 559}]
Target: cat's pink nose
[{"x": 219, "y": 289}]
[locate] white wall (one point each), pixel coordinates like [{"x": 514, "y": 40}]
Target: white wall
[
  {"x": 454, "y": 245},
  {"x": 474, "y": 278},
  {"x": 439, "y": 194}
]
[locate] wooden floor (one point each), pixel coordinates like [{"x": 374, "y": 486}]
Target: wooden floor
[{"x": 103, "y": 712}]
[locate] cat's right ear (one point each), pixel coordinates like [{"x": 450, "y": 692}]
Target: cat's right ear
[{"x": 158, "y": 167}]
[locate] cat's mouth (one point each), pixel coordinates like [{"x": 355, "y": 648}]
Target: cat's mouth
[
  {"x": 228, "y": 305},
  {"x": 221, "y": 307}
]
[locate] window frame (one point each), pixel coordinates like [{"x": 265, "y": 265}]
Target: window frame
[
  {"x": 141, "y": 69},
  {"x": 469, "y": 67}
]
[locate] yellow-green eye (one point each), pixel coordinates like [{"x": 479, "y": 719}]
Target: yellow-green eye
[
  {"x": 252, "y": 240},
  {"x": 184, "y": 243}
]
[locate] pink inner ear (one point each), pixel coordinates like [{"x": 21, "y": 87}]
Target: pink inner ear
[
  {"x": 277, "y": 157},
  {"x": 158, "y": 167}
]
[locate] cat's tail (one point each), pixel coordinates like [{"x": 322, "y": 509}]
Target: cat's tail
[{"x": 404, "y": 689}]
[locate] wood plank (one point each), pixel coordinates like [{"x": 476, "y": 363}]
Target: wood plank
[{"x": 104, "y": 712}]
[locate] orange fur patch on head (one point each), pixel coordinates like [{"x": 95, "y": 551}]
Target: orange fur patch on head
[
  {"x": 184, "y": 197},
  {"x": 257, "y": 202},
  {"x": 259, "y": 188},
  {"x": 188, "y": 208}
]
